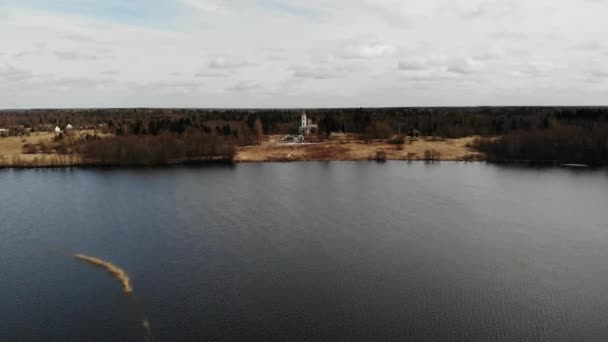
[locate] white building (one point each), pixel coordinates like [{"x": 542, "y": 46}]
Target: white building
[
  {"x": 68, "y": 127},
  {"x": 3, "y": 132},
  {"x": 57, "y": 129},
  {"x": 306, "y": 126}
]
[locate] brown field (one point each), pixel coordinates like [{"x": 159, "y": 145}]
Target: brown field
[
  {"x": 346, "y": 149},
  {"x": 13, "y": 153},
  {"x": 272, "y": 149}
]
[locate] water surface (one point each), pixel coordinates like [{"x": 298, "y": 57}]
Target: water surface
[{"x": 336, "y": 251}]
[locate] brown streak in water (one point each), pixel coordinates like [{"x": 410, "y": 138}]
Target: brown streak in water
[{"x": 114, "y": 270}]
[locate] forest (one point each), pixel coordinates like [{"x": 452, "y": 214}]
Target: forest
[{"x": 537, "y": 134}]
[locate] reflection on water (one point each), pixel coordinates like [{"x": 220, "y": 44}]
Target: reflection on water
[{"x": 307, "y": 251}]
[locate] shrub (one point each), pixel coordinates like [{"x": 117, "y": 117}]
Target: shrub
[
  {"x": 397, "y": 140},
  {"x": 380, "y": 156},
  {"x": 432, "y": 155}
]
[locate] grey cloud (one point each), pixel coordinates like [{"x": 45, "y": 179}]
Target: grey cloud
[
  {"x": 459, "y": 69},
  {"x": 80, "y": 38},
  {"x": 111, "y": 72},
  {"x": 537, "y": 68},
  {"x": 319, "y": 73},
  {"x": 277, "y": 58},
  {"x": 509, "y": 35},
  {"x": 474, "y": 13},
  {"x": 203, "y": 74},
  {"x": 37, "y": 50},
  {"x": 600, "y": 74},
  {"x": 13, "y": 74},
  {"x": 228, "y": 63},
  {"x": 487, "y": 56},
  {"x": 80, "y": 82},
  {"x": 588, "y": 46},
  {"x": 437, "y": 67},
  {"x": 413, "y": 64},
  {"x": 245, "y": 86},
  {"x": 166, "y": 85},
  {"x": 479, "y": 10},
  {"x": 462, "y": 66},
  {"x": 428, "y": 76},
  {"x": 423, "y": 63},
  {"x": 75, "y": 56},
  {"x": 26, "y": 53}
]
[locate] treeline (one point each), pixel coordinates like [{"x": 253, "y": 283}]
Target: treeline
[
  {"x": 556, "y": 134},
  {"x": 167, "y": 148},
  {"x": 556, "y": 144},
  {"x": 162, "y": 149},
  {"x": 242, "y": 130},
  {"x": 247, "y": 124}
]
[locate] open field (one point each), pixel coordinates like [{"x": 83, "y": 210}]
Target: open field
[
  {"x": 272, "y": 149},
  {"x": 346, "y": 149},
  {"x": 12, "y": 150},
  {"x": 14, "y": 153}
]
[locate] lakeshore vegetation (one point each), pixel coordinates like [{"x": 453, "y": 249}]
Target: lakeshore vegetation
[{"x": 144, "y": 136}]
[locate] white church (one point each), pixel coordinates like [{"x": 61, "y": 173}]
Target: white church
[{"x": 307, "y": 127}]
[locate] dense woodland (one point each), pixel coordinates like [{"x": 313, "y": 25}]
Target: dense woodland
[
  {"x": 573, "y": 134},
  {"x": 161, "y": 149}
]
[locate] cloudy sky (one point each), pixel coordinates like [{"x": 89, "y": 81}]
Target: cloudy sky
[{"x": 302, "y": 53}]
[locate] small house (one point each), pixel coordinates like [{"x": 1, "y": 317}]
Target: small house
[
  {"x": 69, "y": 127},
  {"x": 3, "y": 132},
  {"x": 57, "y": 129}
]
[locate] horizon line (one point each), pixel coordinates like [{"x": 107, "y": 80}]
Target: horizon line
[{"x": 298, "y": 108}]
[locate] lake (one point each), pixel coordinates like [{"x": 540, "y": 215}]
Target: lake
[{"x": 317, "y": 251}]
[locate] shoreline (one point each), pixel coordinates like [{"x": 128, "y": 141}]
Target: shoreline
[
  {"x": 274, "y": 149},
  {"x": 530, "y": 163}
]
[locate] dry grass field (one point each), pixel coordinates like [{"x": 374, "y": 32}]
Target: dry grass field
[
  {"x": 14, "y": 153},
  {"x": 272, "y": 149},
  {"x": 447, "y": 149}
]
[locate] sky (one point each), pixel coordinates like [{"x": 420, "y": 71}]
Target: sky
[{"x": 302, "y": 53}]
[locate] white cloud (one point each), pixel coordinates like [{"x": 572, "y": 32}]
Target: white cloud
[
  {"x": 371, "y": 50},
  {"x": 241, "y": 53},
  {"x": 228, "y": 63},
  {"x": 204, "y": 5}
]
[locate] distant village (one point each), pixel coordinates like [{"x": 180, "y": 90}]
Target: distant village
[{"x": 20, "y": 130}]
